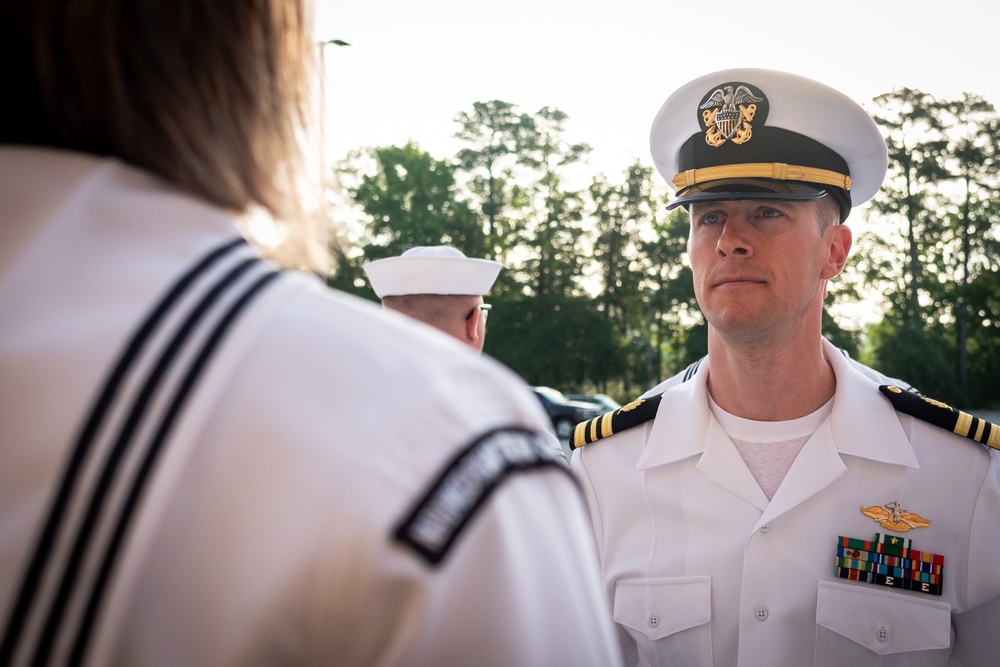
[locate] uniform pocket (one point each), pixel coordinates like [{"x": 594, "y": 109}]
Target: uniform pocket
[
  {"x": 871, "y": 625},
  {"x": 669, "y": 618}
]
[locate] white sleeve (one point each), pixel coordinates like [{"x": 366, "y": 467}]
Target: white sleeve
[
  {"x": 539, "y": 600},
  {"x": 976, "y": 627},
  {"x": 493, "y": 566}
]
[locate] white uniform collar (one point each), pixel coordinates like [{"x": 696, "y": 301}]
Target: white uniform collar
[{"x": 863, "y": 423}]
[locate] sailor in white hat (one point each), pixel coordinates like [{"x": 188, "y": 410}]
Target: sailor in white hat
[
  {"x": 440, "y": 286},
  {"x": 746, "y": 510}
]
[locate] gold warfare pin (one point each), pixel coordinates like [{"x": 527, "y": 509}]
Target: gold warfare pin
[{"x": 892, "y": 516}]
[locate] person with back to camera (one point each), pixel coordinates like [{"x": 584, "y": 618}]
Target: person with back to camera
[
  {"x": 778, "y": 504},
  {"x": 210, "y": 461},
  {"x": 440, "y": 286}
]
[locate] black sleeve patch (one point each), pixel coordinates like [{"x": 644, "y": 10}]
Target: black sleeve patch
[{"x": 466, "y": 482}]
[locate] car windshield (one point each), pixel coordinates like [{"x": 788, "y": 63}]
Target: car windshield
[
  {"x": 603, "y": 400},
  {"x": 607, "y": 400},
  {"x": 553, "y": 395}
]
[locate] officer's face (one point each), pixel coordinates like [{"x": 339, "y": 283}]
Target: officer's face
[{"x": 760, "y": 267}]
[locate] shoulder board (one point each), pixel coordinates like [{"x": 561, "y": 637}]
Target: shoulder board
[
  {"x": 943, "y": 415},
  {"x": 637, "y": 412}
]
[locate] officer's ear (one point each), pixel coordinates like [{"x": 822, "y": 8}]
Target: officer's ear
[{"x": 840, "y": 239}]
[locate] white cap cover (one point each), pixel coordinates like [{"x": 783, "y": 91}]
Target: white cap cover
[
  {"x": 724, "y": 133},
  {"x": 432, "y": 270}
]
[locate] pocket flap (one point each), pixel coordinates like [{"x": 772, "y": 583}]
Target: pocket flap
[
  {"x": 882, "y": 621},
  {"x": 661, "y": 607}
]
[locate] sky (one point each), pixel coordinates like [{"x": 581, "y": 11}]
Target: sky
[{"x": 412, "y": 66}]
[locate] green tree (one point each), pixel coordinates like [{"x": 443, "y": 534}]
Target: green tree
[
  {"x": 984, "y": 337},
  {"x": 913, "y": 130},
  {"x": 412, "y": 199},
  {"x": 972, "y": 159},
  {"x": 941, "y": 186},
  {"x": 513, "y": 170},
  {"x": 907, "y": 350},
  {"x": 551, "y": 226},
  {"x": 497, "y": 135},
  {"x": 620, "y": 213},
  {"x": 679, "y": 331},
  {"x": 406, "y": 198},
  {"x": 554, "y": 340}
]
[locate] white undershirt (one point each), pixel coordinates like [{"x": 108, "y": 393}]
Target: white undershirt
[{"x": 769, "y": 448}]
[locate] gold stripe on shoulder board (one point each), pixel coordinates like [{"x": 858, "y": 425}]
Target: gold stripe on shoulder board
[
  {"x": 943, "y": 415},
  {"x": 637, "y": 412}
]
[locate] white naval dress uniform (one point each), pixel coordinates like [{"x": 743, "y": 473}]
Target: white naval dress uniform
[
  {"x": 701, "y": 569},
  {"x": 310, "y": 504}
]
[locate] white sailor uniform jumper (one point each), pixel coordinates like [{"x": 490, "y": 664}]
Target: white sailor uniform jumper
[{"x": 179, "y": 527}]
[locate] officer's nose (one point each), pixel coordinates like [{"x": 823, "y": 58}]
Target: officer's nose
[{"x": 734, "y": 241}]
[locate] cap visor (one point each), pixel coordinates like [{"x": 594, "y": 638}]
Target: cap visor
[{"x": 748, "y": 188}]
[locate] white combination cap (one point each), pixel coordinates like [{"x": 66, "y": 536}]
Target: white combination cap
[
  {"x": 764, "y": 134},
  {"x": 432, "y": 270}
]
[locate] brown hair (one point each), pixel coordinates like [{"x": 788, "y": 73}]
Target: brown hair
[{"x": 208, "y": 94}]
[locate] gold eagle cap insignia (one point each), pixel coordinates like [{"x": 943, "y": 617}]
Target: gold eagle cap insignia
[
  {"x": 727, "y": 114},
  {"x": 892, "y": 516}
]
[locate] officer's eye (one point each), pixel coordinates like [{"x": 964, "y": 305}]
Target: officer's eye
[{"x": 712, "y": 218}]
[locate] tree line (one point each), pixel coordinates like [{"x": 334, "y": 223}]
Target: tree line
[{"x": 596, "y": 294}]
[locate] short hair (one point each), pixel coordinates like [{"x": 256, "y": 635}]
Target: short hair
[
  {"x": 435, "y": 309},
  {"x": 209, "y": 95},
  {"x": 828, "y": 212}
]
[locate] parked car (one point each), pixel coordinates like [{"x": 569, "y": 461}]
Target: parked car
[
  {"x": 605, "y": 402},
  {"x": 564, "y": 413}
]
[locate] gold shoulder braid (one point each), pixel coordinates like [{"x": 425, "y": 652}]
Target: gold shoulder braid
[
  {"x": 943, "y": 415},
  {"x": 637, "y": 412}
]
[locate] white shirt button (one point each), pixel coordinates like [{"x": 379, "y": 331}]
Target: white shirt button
[
  {"x": 766, "y": 527},
  {"x": 882, "y": 634},
  {"x": 653, "y": 620},
  {"x": 760, "y": 613}
]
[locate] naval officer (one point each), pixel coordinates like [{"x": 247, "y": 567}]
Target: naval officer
[{"x": 777, "y": 505}]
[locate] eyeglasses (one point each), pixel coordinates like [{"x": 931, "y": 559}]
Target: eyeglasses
[{"x": 485, "y": 307}]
